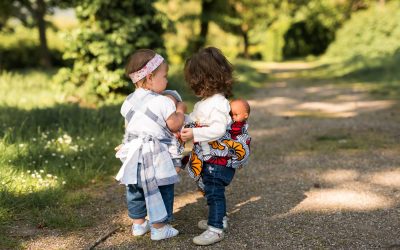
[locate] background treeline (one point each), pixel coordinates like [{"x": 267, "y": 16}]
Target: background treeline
[{"x": 105, "y": 32}]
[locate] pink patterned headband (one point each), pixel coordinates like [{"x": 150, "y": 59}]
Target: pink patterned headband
[{"x": 147, "y": 69}]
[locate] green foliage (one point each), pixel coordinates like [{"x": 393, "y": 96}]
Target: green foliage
[
  {"x": 367, "y": 48},
  {"x": 370, "y": 34},
  {"x": 109, "y": 31}
]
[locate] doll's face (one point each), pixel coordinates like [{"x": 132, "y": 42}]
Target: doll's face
[{"x": 238, "y": 111}]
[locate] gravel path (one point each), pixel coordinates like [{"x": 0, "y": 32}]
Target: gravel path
[{"x": 324, "y": 173}]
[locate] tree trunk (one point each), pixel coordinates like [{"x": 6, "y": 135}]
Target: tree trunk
[
  {"x": 200, "y": 40},
  {"x": 45, "y": 60},
  {"x": 246, "y": 44}
]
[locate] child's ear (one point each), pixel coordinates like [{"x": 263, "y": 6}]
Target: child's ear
[
  {"x": 149, "y": 77},
  {"x": 246, "y": 115}
]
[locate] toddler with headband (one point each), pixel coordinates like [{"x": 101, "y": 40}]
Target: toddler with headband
[{"x": 148, "y": 170}]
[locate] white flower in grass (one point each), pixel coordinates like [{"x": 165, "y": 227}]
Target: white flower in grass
[
  {"x": 66, "y": 164},
  {"x": 33, "y": 139},
  {"x": 41, "y": 171},
  {"x": 67, "y": 139},
  {"x": 40, "y": 156},
  {"x": 64, "y": 182},
  {"x": 33, "y": 162},
  {"x": 28, "y": 171},
  {"x": 9, "y": 161},
  {"x": 49, "y": 175},
  {"x": 53, "y": 154},
  {"x": 107, "y": 143},
  {"x": 21, "y": 145},
  {"x": 33, "y": 175},
  {"x": 58, "y": 149},
  {"x": 92, "y": 139},
  {"x": 46, "y": 161},
  {"x": 62, "y": 156},
  {"x": 74, "y": 148},
  {"x": 104, "y": 157},
  {"x": 3, "y": 183}
]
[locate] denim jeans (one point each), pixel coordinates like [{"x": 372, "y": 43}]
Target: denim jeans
[
  {"x": 136, "y": 201},
  {"x": 215, "y": 179}
]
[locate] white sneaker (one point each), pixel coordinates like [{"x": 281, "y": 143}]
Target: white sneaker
[
  {"x": 164, "y": 232},
  {"x": 210, "y": 236},
  {"x": 203, "y": 224},
  {"x": 140, "y": 229}
]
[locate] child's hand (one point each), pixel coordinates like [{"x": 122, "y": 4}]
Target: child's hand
[
  {"x": 178, "y": 169},
  {"x": 177, "y": 135},
  {"x": 117, "y": 148},
  {"x": 187, "y": 134}
]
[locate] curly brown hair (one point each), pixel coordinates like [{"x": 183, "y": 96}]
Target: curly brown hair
[{"x": 208, "y": 72}]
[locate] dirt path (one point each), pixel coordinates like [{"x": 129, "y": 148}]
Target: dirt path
[{"x": 325, "y": 173}]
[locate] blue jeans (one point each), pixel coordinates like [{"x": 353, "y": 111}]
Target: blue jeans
[
  {"x": 136, "y": 201},
  {"x": 215, "y": 179}
]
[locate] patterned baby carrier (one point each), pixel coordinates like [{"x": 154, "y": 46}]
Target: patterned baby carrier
[{"x": 231, "y": 150}]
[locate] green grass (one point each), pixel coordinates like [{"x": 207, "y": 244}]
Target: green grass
[{"x": 53, "y": 149}]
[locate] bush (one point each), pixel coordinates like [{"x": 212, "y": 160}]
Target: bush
[
  {"x": 368, "y": 36},
  {"x": 108, "y": 32}
]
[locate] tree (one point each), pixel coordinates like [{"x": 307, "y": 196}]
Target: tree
[
  {"x": 109, "y": 31},
  {"x": 32, "y": 12},
  {"x": 210, "y": 11}
]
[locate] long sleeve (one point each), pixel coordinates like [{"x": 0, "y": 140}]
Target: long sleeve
[
  {"x": 216, "y": 128},
  {"x": 213, "y": 114}
]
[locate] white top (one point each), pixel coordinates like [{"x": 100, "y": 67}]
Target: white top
[{"x": 213, "y": 113}]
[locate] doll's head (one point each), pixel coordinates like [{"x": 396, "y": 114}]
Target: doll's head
[{"x": 240, "y": 110}]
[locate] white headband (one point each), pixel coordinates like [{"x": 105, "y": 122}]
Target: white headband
[{"x": 147, "y": 69}]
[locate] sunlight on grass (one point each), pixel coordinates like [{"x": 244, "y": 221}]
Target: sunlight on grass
[{"x": 29, "y": 90}]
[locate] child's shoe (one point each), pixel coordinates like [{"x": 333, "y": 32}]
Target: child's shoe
[
  {"x": 140, "y": 229},
  {"x": 164, "y": 232},
  {"x": 203, "y": 224},
  {"x": 210, "y": 236}
]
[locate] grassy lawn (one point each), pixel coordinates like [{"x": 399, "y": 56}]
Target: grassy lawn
[{"x": 56, "y": 153}]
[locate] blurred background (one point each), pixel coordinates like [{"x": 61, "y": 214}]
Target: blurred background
[{"x": 62, "y": 77}]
